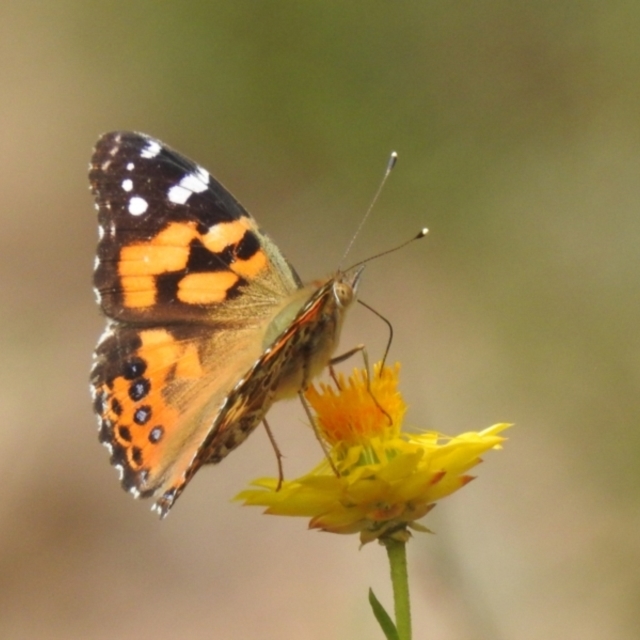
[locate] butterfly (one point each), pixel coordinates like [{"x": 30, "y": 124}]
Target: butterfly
[{"x": 207, "y": 323}]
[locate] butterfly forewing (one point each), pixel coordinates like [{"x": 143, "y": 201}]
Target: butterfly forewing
[{"x": 175, "y": 245}]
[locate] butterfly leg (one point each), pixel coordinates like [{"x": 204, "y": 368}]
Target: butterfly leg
[
  {"x": 365, "y": 357},
  {"x": 314, "y": 426},
  {"x": 277, "y": 451},
  {"x": 345, "y": 356},
  {"x": 389, "y": 327}
]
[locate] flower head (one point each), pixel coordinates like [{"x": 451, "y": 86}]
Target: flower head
[{"x": 387, "y": 478}]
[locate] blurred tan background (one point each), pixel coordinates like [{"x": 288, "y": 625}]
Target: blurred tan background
[{"x": 518, "y": 129}]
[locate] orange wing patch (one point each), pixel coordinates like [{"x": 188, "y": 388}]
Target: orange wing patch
[
  {"x": 252, "y": 266},
  {"x": 170, "y": 252},
  {"x": 136, "y": 411},
  {"x": 224, "y": 234},
  {"x": 206, "y": 288}
]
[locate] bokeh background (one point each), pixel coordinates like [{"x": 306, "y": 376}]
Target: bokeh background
[{"x": 518, "y": 130}]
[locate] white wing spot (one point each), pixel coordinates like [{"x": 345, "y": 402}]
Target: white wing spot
[
  {"x": 137, "y": 206},
  {"x": 203, "y": 175},
  {"x": 130, "y": 166},
  {"x": 178, "y": 194},
  {"x": 152, "y": 149},
  {"x": 100, "y": 232},
  {"x": 196, "y": 182},
  {"x": 191, "y": 183},
  {"x": 127, "y": 184}
]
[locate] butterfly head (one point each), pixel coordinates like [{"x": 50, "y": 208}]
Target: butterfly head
[{"x": 346, "y": 285}]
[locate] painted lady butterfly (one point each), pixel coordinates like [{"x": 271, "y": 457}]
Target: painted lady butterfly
[{"x": 208, "y": 324}]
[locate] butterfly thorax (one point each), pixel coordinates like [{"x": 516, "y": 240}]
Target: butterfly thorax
[{"x": 309, "y": 330}]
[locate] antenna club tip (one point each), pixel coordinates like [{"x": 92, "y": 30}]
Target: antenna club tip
[
  {"x": 393, "y": 158},
  {"x": 423, "y": 232}
]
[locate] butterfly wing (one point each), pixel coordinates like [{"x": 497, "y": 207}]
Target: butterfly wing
[
  {"x": 175, "y": 245},
  {"x": 189, "y": 283}
]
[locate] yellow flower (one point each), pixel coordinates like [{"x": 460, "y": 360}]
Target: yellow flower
[{"x": 387, "y": 478}]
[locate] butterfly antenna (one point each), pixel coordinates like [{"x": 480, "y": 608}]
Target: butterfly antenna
[
  {"x": 421, "y": 234},
  {"x": 393, "y": 158}
]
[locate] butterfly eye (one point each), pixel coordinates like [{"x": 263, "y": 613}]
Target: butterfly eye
[{"x": 343, "y": 293}]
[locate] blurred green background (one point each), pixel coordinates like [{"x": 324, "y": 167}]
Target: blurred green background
[{"x": 518, "y": 130}]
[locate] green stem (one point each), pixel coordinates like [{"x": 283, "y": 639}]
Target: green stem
[{"x": 397, "y": 553}]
